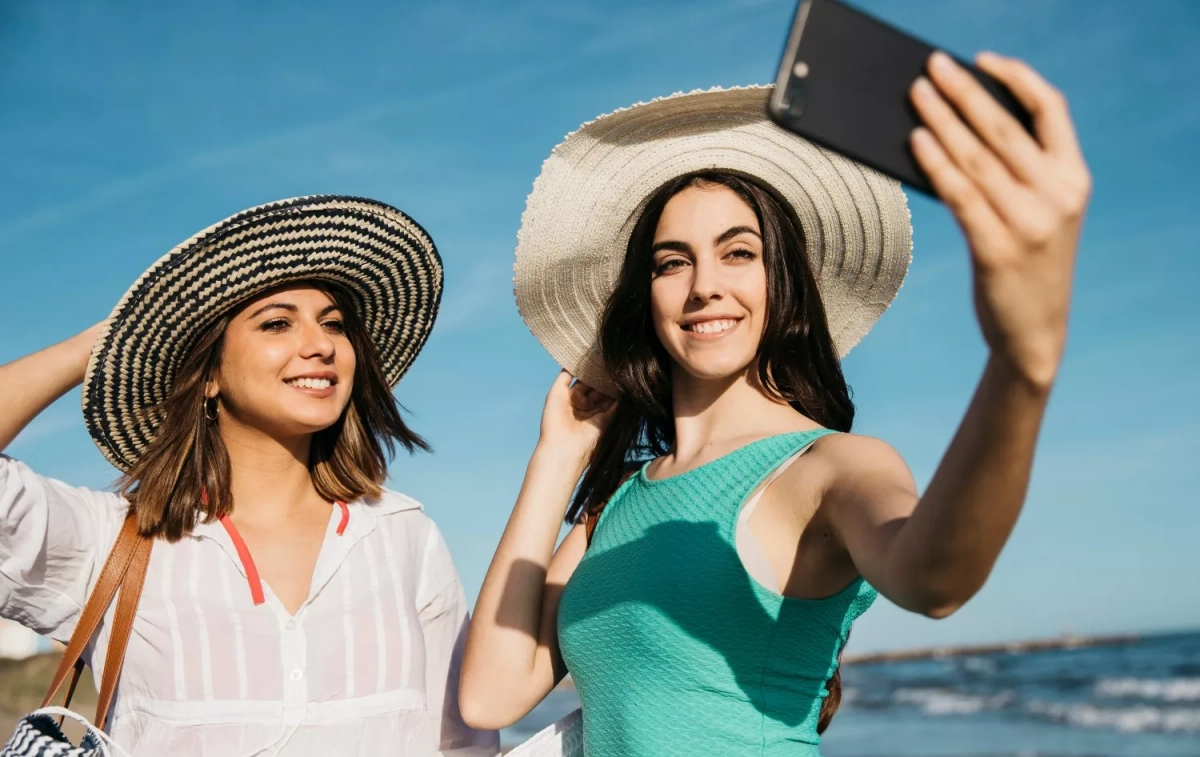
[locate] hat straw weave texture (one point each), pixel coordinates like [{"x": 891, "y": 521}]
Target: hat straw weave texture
[
  {"x": 383, "y": 259},
  {"x": 592, "y": 189}
]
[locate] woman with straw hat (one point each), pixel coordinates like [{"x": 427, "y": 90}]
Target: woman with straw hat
[
  {"x": 291, "y": 605},
  {"x": 708, "y": 270}
]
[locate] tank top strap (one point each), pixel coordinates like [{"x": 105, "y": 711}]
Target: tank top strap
[
  {"x": 748, "y": 507},
  {"x": 743, "y": 471},
  {"x": 762, "y": 460}
]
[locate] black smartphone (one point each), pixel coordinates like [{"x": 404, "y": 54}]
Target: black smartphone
[{"x": 844, "y": 84}]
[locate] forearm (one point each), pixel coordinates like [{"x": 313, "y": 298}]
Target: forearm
[
  {"x": 506, "y": 661},
  {"x": 30, "y": 384},
  {"x": 948, "y": 546}
]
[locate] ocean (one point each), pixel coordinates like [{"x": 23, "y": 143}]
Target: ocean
[{"x": 1140, "y": 699}]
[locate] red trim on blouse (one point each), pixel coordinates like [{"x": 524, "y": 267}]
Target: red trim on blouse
[
  {"x": 341, "y": 529},
  {"x": 256, "y": 590},
  {"x": 252, "y": 577}
]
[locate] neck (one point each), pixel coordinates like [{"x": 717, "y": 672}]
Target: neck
[
  {"x": 721, "y": 412},
  {"x": 269, "y": 476}
]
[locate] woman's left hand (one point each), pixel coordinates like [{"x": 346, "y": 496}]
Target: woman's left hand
[{"x": 1019, "y": 199}]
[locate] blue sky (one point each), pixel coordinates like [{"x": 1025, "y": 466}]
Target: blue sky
[{"x": 127, "y": 127}]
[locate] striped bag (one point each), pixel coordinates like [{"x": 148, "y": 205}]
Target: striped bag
[{"x": 39, "y": 734}]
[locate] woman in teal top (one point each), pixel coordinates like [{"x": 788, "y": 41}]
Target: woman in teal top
[{"x": 709, "y": 270}]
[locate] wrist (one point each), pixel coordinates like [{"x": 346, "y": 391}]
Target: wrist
[
  {"x": 1036, "y": 379},
  {"x": 562, "y": 455},
  {"x": 82, "y": 345}
]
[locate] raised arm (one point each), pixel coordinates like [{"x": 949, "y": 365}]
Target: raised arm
[
  {"x": 512, "y": 659},
  {"x": 29, "y": 385},
  {"x": 1020, "y": 201},
  {"x": 51, "y": 534}
]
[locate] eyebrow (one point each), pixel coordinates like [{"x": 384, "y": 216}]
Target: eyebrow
[
  {"x": 677, "y": 246},
  {"x": 289, "y": 307},
  {"x": 735, "y": 231}
]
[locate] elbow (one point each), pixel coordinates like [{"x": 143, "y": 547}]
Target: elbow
[
  {"x": 480, "y": 717},
  {"x": 938, "y": 610},
  {"x": 934, "y": 592},
  {"x": 483, "y": 712},
  {"x": 936, "y": 602}
]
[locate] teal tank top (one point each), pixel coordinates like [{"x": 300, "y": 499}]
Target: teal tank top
[{"x": 674, "y": 649}]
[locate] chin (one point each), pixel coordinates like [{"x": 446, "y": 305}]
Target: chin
[
  {"x": 303, "y": 424},
  {"x": 714, "y": 370},
  {"x": 314, "y": 425}
]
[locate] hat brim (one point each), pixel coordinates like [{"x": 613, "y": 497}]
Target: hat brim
[
  {"x": 591, "y": 191},
  {"x": 383, "y": 259}
]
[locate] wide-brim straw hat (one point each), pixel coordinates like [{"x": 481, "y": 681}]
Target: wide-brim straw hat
[
  {"x": 593, "y": 188},
  {"x": 383, "y": 259}
]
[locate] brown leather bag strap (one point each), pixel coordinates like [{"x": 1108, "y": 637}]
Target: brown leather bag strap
[
  {"x": 130, "y": 546},
  {"x": 118, "y": 640}
]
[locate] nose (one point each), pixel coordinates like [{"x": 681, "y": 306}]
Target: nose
[
  {"x": 706, "y": 280},
  {"x": 316, "y": 342}
]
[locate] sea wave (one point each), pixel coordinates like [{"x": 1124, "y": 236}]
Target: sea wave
[
  {"x": 979, "y": 665},
  {"x": 1129, "y": 719},
  {"x": 1164, "y": 689},
  {"x": 951, "y": 702}
]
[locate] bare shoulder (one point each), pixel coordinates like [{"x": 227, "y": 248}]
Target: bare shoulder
[
  {"x": 857, "y": 450},
  {"x": 847, "y": 462}
]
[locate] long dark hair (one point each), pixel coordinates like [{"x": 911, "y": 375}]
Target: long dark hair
[
  {"x": 184, "y": 474},
  {"x": 797, "y": 362}
]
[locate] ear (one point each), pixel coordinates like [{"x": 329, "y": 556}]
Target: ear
[{"x": 211, "y": 389}]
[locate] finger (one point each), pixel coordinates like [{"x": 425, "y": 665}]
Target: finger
[
  {"x": 595, "y": 394},
  {"x": 585, "y": 393},
  {"x": 579, "y": 398},
  {"x": 563, "y": 379},
  {"x": 972, "y": 157},
  {"x": 1002, "y": 133},
  {"x": 601, "y": 402},
  {"x": 1051, "y": 119},
  {"x": 962, "y": 196}
]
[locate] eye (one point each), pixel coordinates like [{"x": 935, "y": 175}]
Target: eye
[
  {"x": 275, "y": 325},
  {"x": 668, "y": 265},
  {"x": 335, "y": 325},
  {"x": 743, "y": 253}
]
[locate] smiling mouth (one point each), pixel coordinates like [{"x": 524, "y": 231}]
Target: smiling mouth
[
  {"x": 310, "y": 383},
  {"x": 713, "y": 327}
]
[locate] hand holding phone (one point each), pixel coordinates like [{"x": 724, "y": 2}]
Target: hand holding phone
[
  {"x": 1019, "y": 199},
  {"x": 1008, "y": 167},
  {"x": 844, "y": 82}
]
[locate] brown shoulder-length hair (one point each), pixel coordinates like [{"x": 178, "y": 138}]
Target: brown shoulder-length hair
[
  {"x": 797, "y": 362},
  {"x": 183, "y": 476}
]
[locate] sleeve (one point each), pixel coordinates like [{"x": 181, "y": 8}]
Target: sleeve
[
  {"x": 53, "y": 538},
  {"x": 443, "y": 616}
]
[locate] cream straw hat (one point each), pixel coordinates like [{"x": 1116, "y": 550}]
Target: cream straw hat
[{"x": 592, "y": 188}]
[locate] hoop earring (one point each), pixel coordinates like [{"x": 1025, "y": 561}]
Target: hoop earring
[{"x": 215, "y": 409}]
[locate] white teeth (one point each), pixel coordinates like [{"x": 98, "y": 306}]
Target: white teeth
[
  {"x": 310, "y": 383},
  {"x": 712, "y": 327}
]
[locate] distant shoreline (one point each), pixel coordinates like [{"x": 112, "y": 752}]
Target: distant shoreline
[{"x": 1066, "y": 641}]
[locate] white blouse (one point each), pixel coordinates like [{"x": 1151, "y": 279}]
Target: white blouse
[{"x": 368, "y": 666}]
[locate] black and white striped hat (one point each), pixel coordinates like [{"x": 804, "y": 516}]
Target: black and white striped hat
[{"x": 382, "y": 258}]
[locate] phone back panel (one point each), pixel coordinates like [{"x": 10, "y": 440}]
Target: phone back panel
[{"x": 853, "y": 94}]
